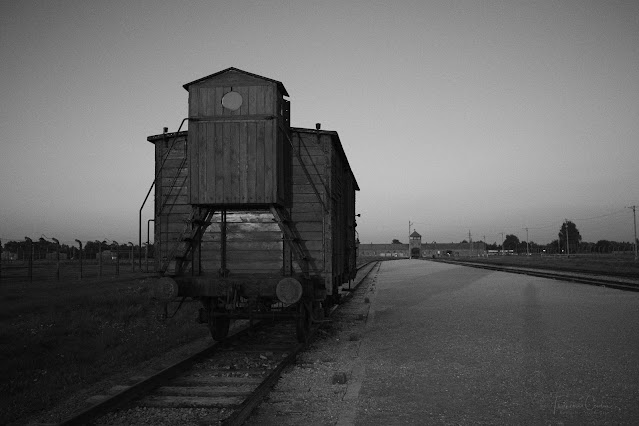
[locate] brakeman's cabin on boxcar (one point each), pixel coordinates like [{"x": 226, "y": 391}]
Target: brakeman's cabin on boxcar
[{"x": 253, "y": 217}]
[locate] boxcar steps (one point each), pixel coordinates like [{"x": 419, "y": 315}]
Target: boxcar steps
[{"x": 197, "y": 223}]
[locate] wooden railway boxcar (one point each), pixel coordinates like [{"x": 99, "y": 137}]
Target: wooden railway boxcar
[{"x": 253, "y": 217}]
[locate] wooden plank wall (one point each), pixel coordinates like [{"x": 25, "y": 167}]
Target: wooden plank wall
[
  {"x": 254, "y": 240},
  {"x": 306, "y": 211},
  {"x": 233, "y": 163},
  {"x": 236, "y": 156},
  {"x": 172, "y": 206}
]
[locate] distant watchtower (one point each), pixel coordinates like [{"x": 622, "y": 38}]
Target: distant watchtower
[
  {"x": 415, "y": 245},
  {"x": 239, "y": 131}
]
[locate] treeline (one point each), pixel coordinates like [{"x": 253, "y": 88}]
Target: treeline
[
  {"x": 556, "y": 246},
  {"x": 46, "y": 249}
]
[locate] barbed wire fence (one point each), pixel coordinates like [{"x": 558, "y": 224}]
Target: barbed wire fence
[{"x": 48, "y": 259}]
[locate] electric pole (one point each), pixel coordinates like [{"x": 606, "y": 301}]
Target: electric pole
[
  {"x": 485, "y": 247},
  {"x": 502, "y": 242},
  {"x": 527, "y": 246}
]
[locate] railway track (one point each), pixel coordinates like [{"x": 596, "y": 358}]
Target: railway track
[
  {"x": 620, "y": 283},
  {"x": 220, "y": 385}
]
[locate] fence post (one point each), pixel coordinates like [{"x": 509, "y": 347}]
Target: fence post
[
  {"x": 80, "y": 243},
  {"x": 99, "y": 258},
  {"x": 30, "y": 259},
  {"x": 117, "y": 258},
  {"x": 146, "y": 256}
]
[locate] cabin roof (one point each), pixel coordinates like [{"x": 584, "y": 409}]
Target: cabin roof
[
  {"x": 415, "y": 235},
  {"x": 155, "y": 138},
  {"x": 337, "y": 143},
  {"x": 232, "y": 69}
]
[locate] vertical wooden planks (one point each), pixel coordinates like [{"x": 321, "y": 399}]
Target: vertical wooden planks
[
  {"x": 217, "y": 107},
  {"x": 252, "y": 99},
  {"x": 226, "y": 159},
  {"x": 259, "y": 160},
  {"x": 202, "y": 144},
  {"x": 219, "y": 161},
  {"x": 243, "y": 163},
  {"x": 234, "y": 163},
  {"x": 270, "y": 158},
  {"x": 193, "y": 152},
  {"x": 210, "y": 139},
  {"x": 244, "y": 92},
  {"x": 251, "y": 153},
  {"x": 259, "y": 100},
  {"x": 237, "y": 158}
]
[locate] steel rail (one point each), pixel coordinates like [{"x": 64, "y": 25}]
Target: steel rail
[
  {"x": 239, "y": 416},
  {"x": 148, "y": 384},
  {"x": 154, "y": 381},
  {"x": 551, "y": 274}
]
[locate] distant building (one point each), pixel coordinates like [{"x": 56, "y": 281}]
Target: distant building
[
  {"x": 415, "y": 245},
  {"x": 429, "y": 250},
  {"x": 384, "y": 250},
  {"x": 108, "y": 255}
]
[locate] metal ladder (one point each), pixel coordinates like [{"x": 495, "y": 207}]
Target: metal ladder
[
  {"x": 179, "y": 257},
  {"x": 291, "y": 237}
]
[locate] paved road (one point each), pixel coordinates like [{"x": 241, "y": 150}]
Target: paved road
[{"x": 448, "y": 344}]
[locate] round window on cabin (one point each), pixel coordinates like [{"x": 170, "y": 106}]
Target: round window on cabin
[{"x": 232, "y": 101}]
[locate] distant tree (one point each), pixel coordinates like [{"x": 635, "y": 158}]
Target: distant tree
[
  {"x": 511, "y": 242},
  {"x": 396, "y": 241},
  {"x": 574, "y": 238}
]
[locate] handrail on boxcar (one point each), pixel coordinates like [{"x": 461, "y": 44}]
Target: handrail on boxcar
[{"x": 157, "y": 174}]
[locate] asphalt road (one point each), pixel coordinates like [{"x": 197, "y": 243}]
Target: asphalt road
[{"x": 448, "y": 344}]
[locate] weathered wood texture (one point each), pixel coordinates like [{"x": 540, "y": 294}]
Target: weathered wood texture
[
  {"x": 238, "y": 156},
  {"x": 172, "y": 206},
  {"x": 242, "y": 161},
  {"x": 325, "y": 224},
  {"x": 323, "y": 207}
]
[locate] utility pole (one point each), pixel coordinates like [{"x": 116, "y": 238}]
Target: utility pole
[
  {"x": 527, "y": 246},
  {"x": 485, "y": 247},
  {"x": 502, "y": 242},
  {"x": 470, "y": 242},
  {"x": 634, "y": 217}
]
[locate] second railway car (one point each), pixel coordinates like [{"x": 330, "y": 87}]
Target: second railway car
[{"x": 253, "y": 217}]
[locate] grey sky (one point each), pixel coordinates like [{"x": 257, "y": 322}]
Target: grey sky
[{"x": 481, "y": 116}]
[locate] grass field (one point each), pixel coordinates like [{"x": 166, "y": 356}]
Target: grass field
[
  {"x": 599, "y": 264},
  {"x": 57, "y": 337}
]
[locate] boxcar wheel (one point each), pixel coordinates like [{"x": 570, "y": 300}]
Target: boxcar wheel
[
  {"x": 303, "y": 325},
  {"x": 219, "y": 327}
]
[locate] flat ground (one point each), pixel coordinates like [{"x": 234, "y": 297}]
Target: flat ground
[
  {"x": 623, "y": 265},
  {"x": 456, "y": 345}
]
